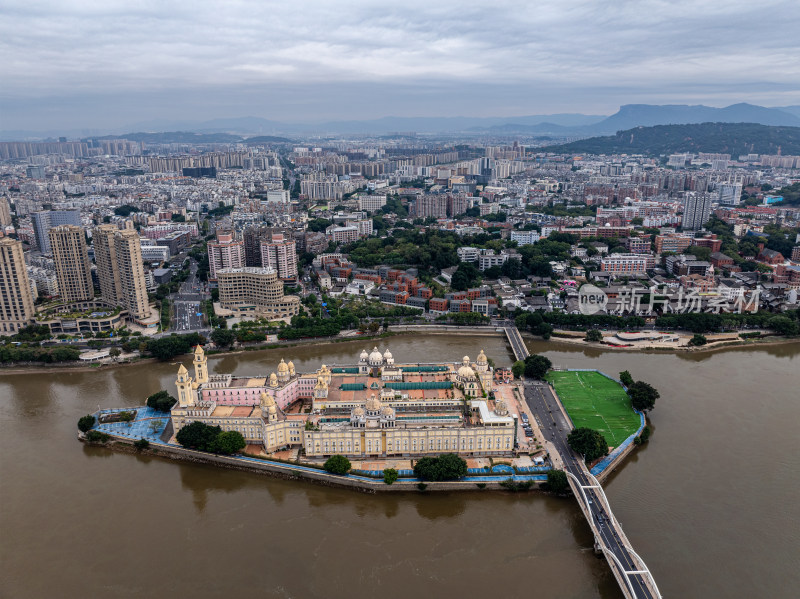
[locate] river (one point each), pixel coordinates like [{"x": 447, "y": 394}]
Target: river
[{"x": 710, "y": 503}]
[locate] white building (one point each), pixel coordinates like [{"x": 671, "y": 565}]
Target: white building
[{"x": 525, "y": 237}]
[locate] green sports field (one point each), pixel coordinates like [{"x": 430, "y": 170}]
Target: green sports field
[{"x": 597, "y": 402}]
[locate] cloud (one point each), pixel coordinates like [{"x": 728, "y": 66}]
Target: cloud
[{"x": 574, "y": 52}]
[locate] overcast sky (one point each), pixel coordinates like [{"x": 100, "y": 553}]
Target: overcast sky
[{"x": 99, "y": 64}]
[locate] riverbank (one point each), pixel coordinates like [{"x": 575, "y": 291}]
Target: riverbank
[
  {"x": 290, "y": 471},
  {"x": 567, "y": 337}
]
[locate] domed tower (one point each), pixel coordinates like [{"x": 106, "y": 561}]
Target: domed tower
[
  {"x": 200, "y": 366},
  {"x": 273, "y": 381},
  {"x": 387, "y": 417},
  {"x": 358, "y": 417},
  {"x": 388, "y": 358},
  {"x": 324, "y": 375},
  {"x": 283, "y": 372},
  {"x": 373, "y": 406},
  {"x": 482, "y": 363},
  {"x": 268, "y": 408},
  {"x": 375, "y": 358},
  {"x": 291, "y": 369},
  {"x": 364, "y": 356},
  {"x": 467, "y": 379},
  {"x": 320, "y": 390},
  {"x": 500, "y": 408},
  {"x": 186, "y": 397}
]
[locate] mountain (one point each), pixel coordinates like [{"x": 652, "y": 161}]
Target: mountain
[
  {"x": 648, "y": 115},
  {"x": 727, "y": 138},
  {"x": 167, "y": 137},
  {"x": 795, "y": 110}
]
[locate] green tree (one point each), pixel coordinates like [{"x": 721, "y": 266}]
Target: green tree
[
  {"x": 389, "y": 475},
  {"x": 141, "y": 444},
  {"x": 643, "y": 396},
  {"x": 161, "y": 401},
  {"x": 85, "y": 423},
  {"x": 466, "y": 276},
  {"x": 518, "y": 369},
  {"x": 557, "y": 482},
  {"x": 536, "y": 366},
  {"x": 198, "y": 435},
  {"x": 447, "y": 466},
  {"x": 783, "y": 325},
  {"x": 593, "y": 335},
  {"x": 626, "y": 378},
  {"x": 697, "y": 340},
  {"x": 229, "y": 442},
  {"x": 337, "y": 464},
  {"x": 223, "y": 337},
  {"x": 114, "y": 352},
  {"x": 589, "y": 443}
]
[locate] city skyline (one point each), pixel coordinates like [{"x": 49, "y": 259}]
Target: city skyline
[{"x": 131, "y": 65}]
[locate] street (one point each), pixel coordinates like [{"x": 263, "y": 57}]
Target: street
[
  {"x": 187, "y": 303},
  {"x": 555, "y": 428}
]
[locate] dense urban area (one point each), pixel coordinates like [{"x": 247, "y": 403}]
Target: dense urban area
[{"x": 115, "y": 248}]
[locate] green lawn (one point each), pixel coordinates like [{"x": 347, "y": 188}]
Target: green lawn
[{"x": 597, "y": 402}]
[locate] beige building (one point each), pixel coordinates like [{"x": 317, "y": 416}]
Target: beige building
[
  {"x": 253, "y": 290},
  {"x": 130, "y": 270},
  {"x": 281, "y": 255},
  {"x": 16, "y": 301},
  {"x": 374, "y": 409},
  {"x": 5, "y": 212},
  {"x": 120, "y": 270},
  {"x": 224, "y": 252},
  {"x": 105, "y": 257},
  {"x": 68, "y": 245}
]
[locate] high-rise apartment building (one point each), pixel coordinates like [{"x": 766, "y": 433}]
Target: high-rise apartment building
[
  {"x": 105, "y": 256},
  {"x": 729, "y": 193},
  {"x": 120, "y": 269},
  {"x": 281, "y": 255},
  {"x": 696, "y": 210},
  {"x": 5, "y": 212},
  {"x": 130, "y": 272},
  {"x": 68, "y": 245},
  {"x": 225, "y": 252},
  {"x": 44, "y": 220},
  {"x": 16, "y": 301}
]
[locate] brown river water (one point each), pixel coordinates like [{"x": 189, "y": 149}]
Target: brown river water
[{"x": 711, "y": 503}]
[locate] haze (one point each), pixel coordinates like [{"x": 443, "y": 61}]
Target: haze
[{"x": 115, "y": 65}]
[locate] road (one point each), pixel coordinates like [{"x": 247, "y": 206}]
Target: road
[
  {"x": 186, "y": 303},
  {"x": 555, "y": 428}
]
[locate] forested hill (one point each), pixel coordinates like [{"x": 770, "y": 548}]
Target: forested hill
[{"x": 725, "y": 138}]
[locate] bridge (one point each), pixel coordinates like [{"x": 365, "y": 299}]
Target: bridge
[
  {"x": 515, "y": 340},
  {"x": 629, "y": 569}
]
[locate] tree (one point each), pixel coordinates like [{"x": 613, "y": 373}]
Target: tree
[
  {"x": 337, "y": 464},
  {"x": 229, "y": 442},
  {"x": 643, "y": 396},
  {"x": 536, "y": 366},
  {"x": 588, "y": 442},
  {"x": 697, "y": 340},
  {"x": 447, "y": 466},
  {"x": 626, "y": 378},
  {"x": 141, "y": 444},
  {"x": 389, "y": 475},
  {"x": 465, "y": 276},
  {"x": 557, "y": 482},
  {"x": 593, "y": 335},
  {"x": 783, "y": 325},
  {"x": 198, "y": 435},
  {"x": 518, "y": 369},
  {"x": 114, "y": 352},
  {"x": 223, "y": 337},
  {"x": 161, "y": 401},
  {"x": 85, "y": 423}
]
